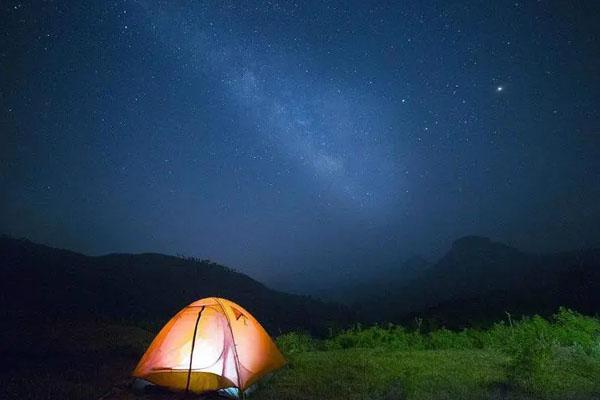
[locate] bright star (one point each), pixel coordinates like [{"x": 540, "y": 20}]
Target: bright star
[{"x": 499, "y": 88}]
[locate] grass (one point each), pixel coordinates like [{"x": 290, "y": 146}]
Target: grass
[
  {"x": 355, "y": 374},
  {"x": 532, "y": 358}
]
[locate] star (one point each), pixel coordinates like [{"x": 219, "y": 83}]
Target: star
[{"x": 499, "y": 88}]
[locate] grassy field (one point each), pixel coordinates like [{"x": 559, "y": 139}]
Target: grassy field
[
  {"x": 528, "y": 359},
  {"x": 533, "y": 358},
  {"x": 384, "y": 374},
  {"x": 423, "y": 374}
]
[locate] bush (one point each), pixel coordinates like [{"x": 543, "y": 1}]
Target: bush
[
  {"x": 536, "y": 344},
  {"x": 574, "y": 329},
  {"x": 531, "y": 346},
  {"x": 391, "y": 337},
  {"x": 296, "y": 342},
  {"x": 444, "y": 339}
]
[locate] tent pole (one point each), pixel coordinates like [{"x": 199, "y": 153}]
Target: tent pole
[
  {"x": 187, "y": 384},
  {"x": 235, "y": 354}
]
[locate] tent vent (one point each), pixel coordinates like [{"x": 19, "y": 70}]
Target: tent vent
[{"x": 238, "y": 314}]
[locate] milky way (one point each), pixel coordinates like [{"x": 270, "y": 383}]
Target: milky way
[{"x": 314, "y": 122}]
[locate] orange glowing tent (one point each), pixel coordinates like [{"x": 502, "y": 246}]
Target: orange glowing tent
[{"x": 211, "y": 344}]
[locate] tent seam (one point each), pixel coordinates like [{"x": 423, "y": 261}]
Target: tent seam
[{"x": 235, "y": 352}]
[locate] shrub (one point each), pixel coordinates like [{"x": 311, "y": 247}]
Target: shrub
[
  {"x": 392, "y": 337},
  {"x": 531, "y": 346},
  {"x": 442, "y": 339},
  {"x": 296, "y": 342},
  {"x": 574, "y": 329},
  {"x": 530, "y": 341}
]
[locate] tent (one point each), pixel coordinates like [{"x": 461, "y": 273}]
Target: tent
[{"x": 211, "y": 344}]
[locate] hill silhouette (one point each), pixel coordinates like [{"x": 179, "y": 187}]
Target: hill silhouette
[
  {"x": 43, "y": 283},
  {"x": 476, "y": 281},
  {"x": 479, "y": 280}
]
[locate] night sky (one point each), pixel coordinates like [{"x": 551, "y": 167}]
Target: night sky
[{"x": 295, "y": 141}]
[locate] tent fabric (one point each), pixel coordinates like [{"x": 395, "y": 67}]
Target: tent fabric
[{"x": 211, "y": 344}]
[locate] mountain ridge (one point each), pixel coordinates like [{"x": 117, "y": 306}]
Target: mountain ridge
[
  {"x": 477, "y": 280},
  {"x": 480, "y": 280},
  {"x": 141, "y": 287}
]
